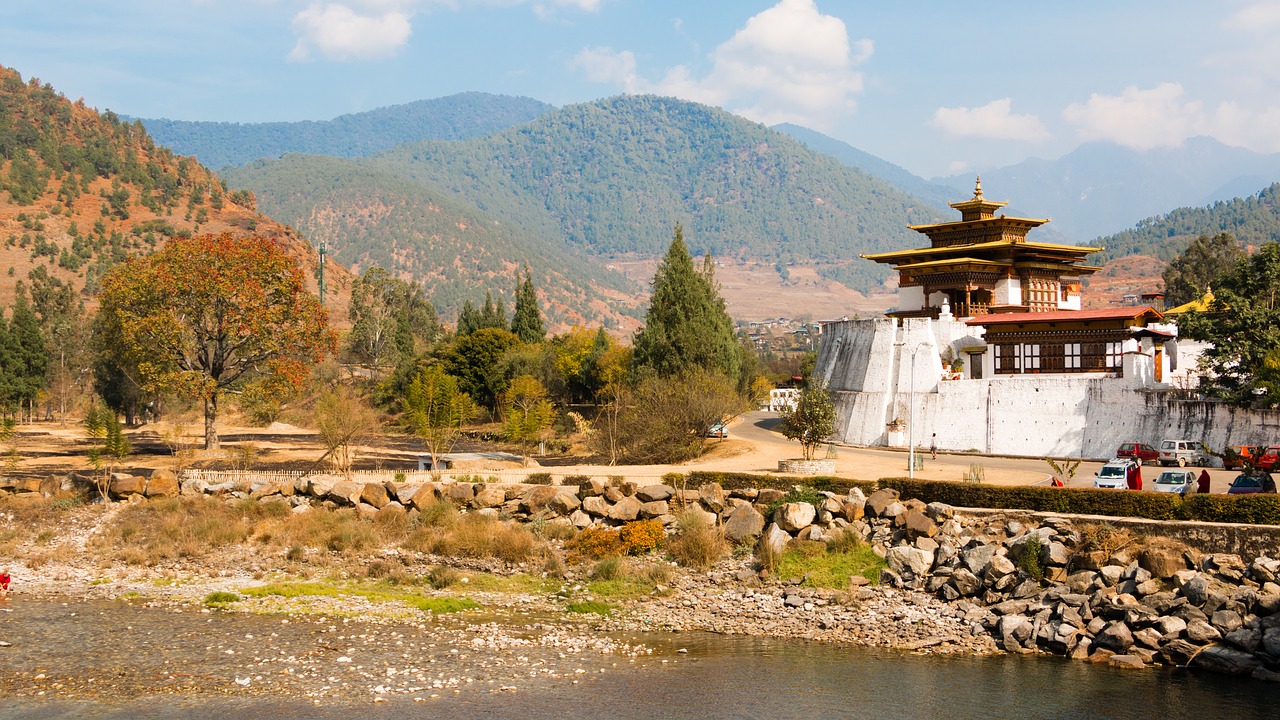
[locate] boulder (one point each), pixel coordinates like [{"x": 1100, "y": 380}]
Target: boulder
[
  {"x": 564, "y": 503},
  {"x": 489, "y": 495},
  {"x": 1013, "y": 631},
  {"x": 391, "y": 511},
  {"x": 121, "y": 485},
  {"x": 1245, "y": 639},
  {"x": 625, "y": 510},
  {"x": 905, "y": 559},
  {"x": 774, "y": 540},
  {"x": 853, "y": 511},
  {"x": 712, "y": 497},
  {"x": 320, "y": 485},
  {"x": 460, "y": 492},
  {"x": 1196, "y": 590},
  {"x": 742, "y": 523},
  {"x": 1227, "y": 660},
  {"x": 1271, "y": 641},
  {"x": 999, "y": 567},
  {"x": 581, "y": 519},
  {"x": 976, "y": 558},
  {"x": 653, "y": 508},
  {"x": 792, "y": 517},
  {"x": 917, "y": 524},
  {"x": 1054, "y": 554},
  {"x": 1162, "y": 561},
  {"x": 375, "y": 494},
  {"x": 425, "y": 495},
  {"x": 193, "y": 486},
  {"x": 1116, "y": 636},
  {"x": 344, "y": 493},
  {"x": 881, "y": 499},
  {"x": 1224, "y": 621},
  {"x": 939, "y": 512},
  {"x": 1201, "y": 632},
  {"x": 768, "y": 496},
  {"x": 163, "y": 483},
  {"x": 1126, "y": 662},
  {"x": 591, "y": 488},
  {"x": 596, "y": 505},
  {"x": 965, "y": 582},
  {"x": 539, "y": 497},
  {"x": 654, "y": 493}
]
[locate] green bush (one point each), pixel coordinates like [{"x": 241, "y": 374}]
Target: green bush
[
  {"x": 538, "y": 478},
  {"x": 220, "y": 597},
  {"x": 1255, "y": 509},
  {"x": 591, "y": 607}
]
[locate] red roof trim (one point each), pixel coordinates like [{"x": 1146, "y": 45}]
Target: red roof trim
[{"x": 1121, "y": 313}]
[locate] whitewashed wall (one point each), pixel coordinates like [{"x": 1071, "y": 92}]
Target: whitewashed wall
[{"x": 867, "y": 363}]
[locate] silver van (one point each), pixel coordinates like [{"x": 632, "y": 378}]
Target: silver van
[{"x": 1181, "y": 453}]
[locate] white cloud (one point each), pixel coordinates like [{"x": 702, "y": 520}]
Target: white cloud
[
  {"x": 337, "y": 32},
  {"x": 1257, "y": 17},
  {"x": 993, "y": 120},
  {"x": 789, "y": 63},
  {"x": 370, "y": 29},
  {"x": 1140, "y": 119}
]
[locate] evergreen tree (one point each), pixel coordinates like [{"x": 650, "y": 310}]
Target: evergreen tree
[
  {"x": 468, "y": 319},
  {"x": 687, "y": 326},
  {"x": 494, "y": 314},
  {"x": 26, "y": 358},
  {"x": 527, "y": 321}
]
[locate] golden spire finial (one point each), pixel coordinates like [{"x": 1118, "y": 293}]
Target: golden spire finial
[{"x": 977, "y": 189}]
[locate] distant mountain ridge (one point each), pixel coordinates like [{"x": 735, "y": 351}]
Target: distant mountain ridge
[
  {"x": 1102, "y": 188},
  {"x": 610, "y": 178},
  {"x": 454, "y": 117}
]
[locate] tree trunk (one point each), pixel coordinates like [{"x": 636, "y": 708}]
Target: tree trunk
[{"x": 210, "y": 422}]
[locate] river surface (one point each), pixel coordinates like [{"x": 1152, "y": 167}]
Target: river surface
[{"x": 87, "y": 659}]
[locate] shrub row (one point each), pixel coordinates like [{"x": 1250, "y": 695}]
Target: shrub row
[{"x": 1252, "y": 509}]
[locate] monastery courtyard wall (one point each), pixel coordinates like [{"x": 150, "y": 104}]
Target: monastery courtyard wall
[{"x": 867, "y": 365}]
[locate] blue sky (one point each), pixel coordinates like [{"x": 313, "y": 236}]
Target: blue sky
[{"x": 937, "y": 87}]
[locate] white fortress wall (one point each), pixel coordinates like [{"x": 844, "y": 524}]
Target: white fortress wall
[{"x": 867, "y": 365}]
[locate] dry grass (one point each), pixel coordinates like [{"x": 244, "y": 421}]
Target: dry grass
[
  {"x": 475, "y": 536},
  {"x": 697, "y": 543},
  {"x": 175, "y": 528}
]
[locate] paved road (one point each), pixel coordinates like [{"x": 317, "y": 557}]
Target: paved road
[{"x": 761, "y": 428}]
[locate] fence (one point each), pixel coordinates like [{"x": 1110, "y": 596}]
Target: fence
[{"x": 247, "y": 478}]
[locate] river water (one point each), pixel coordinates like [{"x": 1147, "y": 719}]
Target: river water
[{"x": 116, "y": 660}]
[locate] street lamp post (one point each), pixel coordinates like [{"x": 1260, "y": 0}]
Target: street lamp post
[{"x": 911, "y": 414}]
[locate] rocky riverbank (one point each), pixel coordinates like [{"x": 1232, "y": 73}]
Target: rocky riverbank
[{"x": 954, "y": 582}]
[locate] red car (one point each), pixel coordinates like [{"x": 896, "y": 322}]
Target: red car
[
  {"x": 1141, "y": 452},
  {"x": 1269, "y": 459}
]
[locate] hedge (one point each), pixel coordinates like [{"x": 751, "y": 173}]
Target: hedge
[{"x": 1261, "y": 509}]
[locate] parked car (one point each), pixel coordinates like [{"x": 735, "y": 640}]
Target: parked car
[
  {"x": 1175, "y": 481},
  {"x": 1239, "y": 456},
  {"x": 1141, "y": 452},
  {"x": 1181, "y": 453},
  {"x": 1114, "y": 475},
  {"x": 718, "y": 430},
  {"x": 1268, "y": 459},
  {"x": 1245, "y": 484}
]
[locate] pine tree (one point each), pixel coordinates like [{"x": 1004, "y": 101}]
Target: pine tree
[
  {"x": 468, "y": 319},
  {"x": 27, "y": 353},
  {"x": 687, "y": 326},
  {"x": 527, "y": 321},
  {"x": 494, "y": 314}
]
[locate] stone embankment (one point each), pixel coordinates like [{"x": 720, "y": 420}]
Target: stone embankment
[{"x": 954, "y": 581}]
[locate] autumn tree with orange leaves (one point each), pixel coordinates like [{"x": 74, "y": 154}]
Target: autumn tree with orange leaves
[{"x": 205, "y": 315}]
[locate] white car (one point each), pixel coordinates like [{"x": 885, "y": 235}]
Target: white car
[
  {"x": 1181, "y": 453},
  {"x": 1175, "y": 481},
  {"x": 1114, "y": 475}
]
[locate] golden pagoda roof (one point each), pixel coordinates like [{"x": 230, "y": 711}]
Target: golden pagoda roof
[
  {"x": 1200, "y": 304},
  {"x": 978, "y": 203},
  {"x": 902, "y": 255},
  {"x": 953, "y": 262},
  {"x": 966, "y": 224}
]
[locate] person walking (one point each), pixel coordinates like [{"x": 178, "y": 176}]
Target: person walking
[
  {"x": 933, "y": 447},
  {"x": 1202, "y": 482}
]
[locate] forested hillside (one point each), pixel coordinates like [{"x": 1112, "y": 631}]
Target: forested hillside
[
  {"x": 82, "y": 191},
  {"x": 413, "y": 228},
  {"x": 218, "y": 144},
  {"x": 611, "y": 178},
  {"x": 1253, "y": 221}
]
